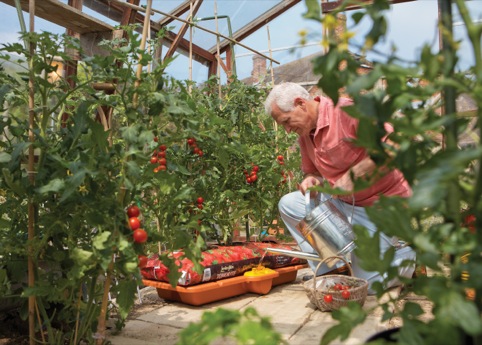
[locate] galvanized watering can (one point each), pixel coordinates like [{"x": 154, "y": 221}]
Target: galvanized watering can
[{"x": 326, "y": 229}]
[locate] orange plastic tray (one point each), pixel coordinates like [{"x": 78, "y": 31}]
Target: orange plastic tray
[{"x": 225, "y": 288}]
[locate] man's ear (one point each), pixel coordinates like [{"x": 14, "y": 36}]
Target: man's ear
[{"x": 300, "y": 102}]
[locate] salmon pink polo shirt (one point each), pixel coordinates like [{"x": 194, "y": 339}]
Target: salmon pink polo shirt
[{"x": 329, "y": 152}]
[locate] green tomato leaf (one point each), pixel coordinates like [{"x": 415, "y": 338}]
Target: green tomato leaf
[
  {"x": 81, "y": 256},
  {"x": 5, "y": 157},
  {"x": 55, "y": 185},
  {"x": 100, "y": 241},
  {"x": 459, "y": 311},
  {"x": 313, "y": 10}
]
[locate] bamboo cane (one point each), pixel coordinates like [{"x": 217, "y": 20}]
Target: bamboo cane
[
  {"x": 275, "y": 124},
  {"x": 190, "y": 48},
  {"x": 147, "y": 22},
  {"x": 218, "y": 54},
  {"x": 31, "y": 177}
]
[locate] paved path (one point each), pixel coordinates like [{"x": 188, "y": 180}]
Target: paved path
[{"x": 158, "y": 322}]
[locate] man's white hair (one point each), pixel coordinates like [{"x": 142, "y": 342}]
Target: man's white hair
[{"x": 284, "y": 95}]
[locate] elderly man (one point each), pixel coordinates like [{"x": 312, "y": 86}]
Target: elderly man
[{"x": 326, "y": 136}]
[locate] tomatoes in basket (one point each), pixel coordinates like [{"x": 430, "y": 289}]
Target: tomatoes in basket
[
  {"x": 140, "y": 236},
  {"x": 328, "y": 298}
]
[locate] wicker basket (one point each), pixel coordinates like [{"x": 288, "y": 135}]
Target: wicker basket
[{"x": 318, "y": 288}]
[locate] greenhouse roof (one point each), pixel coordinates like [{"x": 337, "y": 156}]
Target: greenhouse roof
[{"x": 216, "y": 24}]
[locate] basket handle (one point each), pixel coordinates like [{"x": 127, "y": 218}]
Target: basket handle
[{"x": 329, "y": 259}]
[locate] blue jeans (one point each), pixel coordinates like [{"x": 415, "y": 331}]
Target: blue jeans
[{"x": 292, "y": 208}]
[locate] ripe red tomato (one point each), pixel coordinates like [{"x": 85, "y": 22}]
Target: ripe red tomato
[
  {"x": 256, "y": 168},
  {"x": 470, "y": 222},
  {"x": 200, "y": 200},
  {"x": 142, "y": 260},
  {"x": 133, "y": 211},
  {"x": 153, "y": 160},
  {"x": 200, "y": 206},
  {"x": 191, "y": 141},
  {"x": 161, "y": 154},
  {"x": 134, "y": 223},
  {"x": 163, "y": 147},
  {"x": 161, "y": 168},
  {"x": 345, "y": 294},
  {"x": 200, "y": 153},
  {"x": 249, "y": 180},
  {"x": 280, "y": 158},
  {"x": 196, "y": 150},
  {"x": 328, "y": 298},
  {"x": 156, "y": 139},
  {"x": 338, "y": 287},
  {"x": 162, "y": 161},
  {"x": 140, "y": 235}
]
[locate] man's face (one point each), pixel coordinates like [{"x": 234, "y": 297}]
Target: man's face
[{"x": 298, "y": 120}]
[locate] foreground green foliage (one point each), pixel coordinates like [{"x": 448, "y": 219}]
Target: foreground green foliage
[
  {"x": 246, "y": 327},
  {"x": 443, "y": 171}
]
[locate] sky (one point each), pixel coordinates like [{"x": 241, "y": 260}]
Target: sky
[{"x": 411, "y": 25}]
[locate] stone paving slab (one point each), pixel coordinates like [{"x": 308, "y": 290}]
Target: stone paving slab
[{"x": 287, "y": 306}]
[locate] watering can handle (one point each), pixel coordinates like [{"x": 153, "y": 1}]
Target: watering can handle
[{"x": 307, "y": 202}]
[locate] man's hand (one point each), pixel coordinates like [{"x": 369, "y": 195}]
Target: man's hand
[
  {"x": 309, "y": 181},
  {"x": 363, "y": 169},
  {"x": 345, "y": 182}
]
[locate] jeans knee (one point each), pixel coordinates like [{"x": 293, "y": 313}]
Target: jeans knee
[{"x": 286, "y": 202}]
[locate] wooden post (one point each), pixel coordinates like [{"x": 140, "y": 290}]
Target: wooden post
[{"x": 31, "y": 176}]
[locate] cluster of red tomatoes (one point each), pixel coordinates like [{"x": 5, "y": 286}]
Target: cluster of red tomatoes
[
  {"x": 469, "y": 221},
  {"x": 345, "y": 293},
  {"x": 281, "y": 160},
  {"x": 251, "y": 177},
  {"x": 139, "y": 235},
  {"x": 200, "y": 202},
  {"x": 193, "y": 145},
  {"x": 159, "y": 157}
]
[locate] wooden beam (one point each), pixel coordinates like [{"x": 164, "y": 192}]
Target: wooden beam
[
  {"x": 64, "y": 15},
  {"x": 256, "y": 24},
  {"x": 327, "y": 7},
  {"x": 199, "y": 54},
  {"x": 114, "y": 11},
  {"x": 183, "y": 30},
  {"x": 177, "y": 12},
  {"x": 129, "y": 15}
]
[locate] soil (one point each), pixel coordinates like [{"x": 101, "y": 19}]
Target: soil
[{"x": 13, "y": 330}]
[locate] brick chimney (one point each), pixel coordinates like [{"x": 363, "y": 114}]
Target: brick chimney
[
  {"x": 259, "y": 68},
  {"x": 340, "y": 27}
]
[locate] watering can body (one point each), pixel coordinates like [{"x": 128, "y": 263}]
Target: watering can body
[{"x": 327, "y": 229}]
